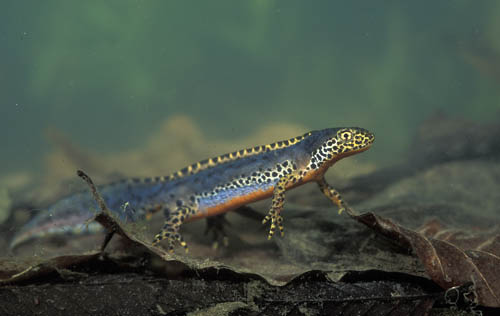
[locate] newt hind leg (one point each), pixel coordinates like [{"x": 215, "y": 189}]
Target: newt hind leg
[
  {"x": 170, "y": 230},
  {"x": 216, "y": 227}
]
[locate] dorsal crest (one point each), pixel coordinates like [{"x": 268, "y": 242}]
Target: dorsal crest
[{"x": 218, "y": 160}]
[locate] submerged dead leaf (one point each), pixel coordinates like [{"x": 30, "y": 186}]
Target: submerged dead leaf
[
  {"x": 451, "y": 257},
  {"x": 314, "y": 291}
]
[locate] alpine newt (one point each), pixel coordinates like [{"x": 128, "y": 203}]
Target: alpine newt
[{"x": 214, "y": 186}]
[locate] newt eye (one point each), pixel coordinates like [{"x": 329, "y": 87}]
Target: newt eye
[{"x": 345, "y": 135}]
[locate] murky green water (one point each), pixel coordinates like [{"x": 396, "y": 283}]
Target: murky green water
[
  {"x": 105, "y": 76},
  {"x": 108, "y": 73}
]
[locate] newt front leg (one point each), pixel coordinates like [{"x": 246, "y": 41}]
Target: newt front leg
[
  {"x": 333, "y": 195},
  {"x": 278, "y": 201}
]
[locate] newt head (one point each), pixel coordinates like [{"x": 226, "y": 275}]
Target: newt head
[
  {"x": 337, "y": 143},
  {"x": 351, "y": 141}
]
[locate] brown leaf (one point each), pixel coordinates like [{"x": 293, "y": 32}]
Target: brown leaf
[{"x": 451, "y": 257}]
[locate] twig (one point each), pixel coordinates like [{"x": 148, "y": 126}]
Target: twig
[{"x": 102, "y": 217}]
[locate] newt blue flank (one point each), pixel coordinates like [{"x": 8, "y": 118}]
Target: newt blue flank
[{"x": 213, "y": 186}]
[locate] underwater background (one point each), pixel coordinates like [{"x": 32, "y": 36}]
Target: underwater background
[
  {"x": 108, "y": 74},
  {"x": 142, "y": 88}
]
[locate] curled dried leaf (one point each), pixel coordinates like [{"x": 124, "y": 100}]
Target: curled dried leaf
[{"x": 451, "y": 257}]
